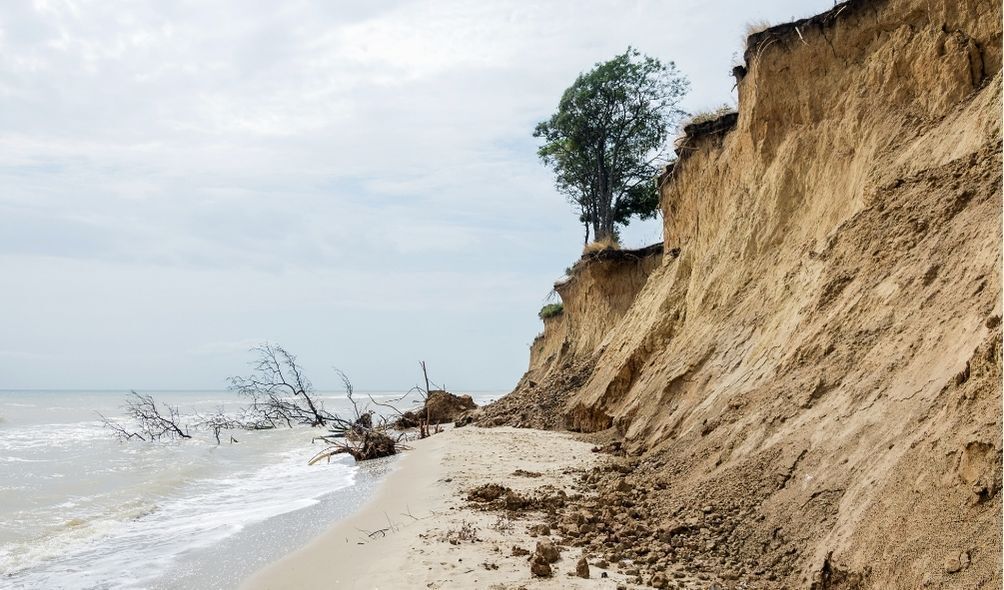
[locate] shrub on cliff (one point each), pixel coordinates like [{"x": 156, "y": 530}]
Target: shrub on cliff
[
  {"x": 606, "y": 138},
  {"x": 551, "y": 310}
]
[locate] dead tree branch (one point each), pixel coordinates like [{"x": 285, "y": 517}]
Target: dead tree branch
[
  {"x": 217, "y": 422},
  {"x": 153, "y": 421},
  {"x": 279, "y": 391}
]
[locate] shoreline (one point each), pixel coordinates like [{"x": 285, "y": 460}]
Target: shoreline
[
  {"x": 418, "y": 531},
  {"x": 343, "y": 554}
]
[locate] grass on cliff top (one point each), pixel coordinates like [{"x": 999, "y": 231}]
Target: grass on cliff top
[
  {"x": 753, "y": 27},
  {"x": 708, "y": 115},
  {"x": 607, "y": 243},
  {"x": 551, "y": 310}
]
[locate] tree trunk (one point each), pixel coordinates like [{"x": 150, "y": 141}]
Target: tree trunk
[
  {"x": 318, "y": 419},
  {"x": 605, "y": 227},
  {"x": 604, "y": 205}
]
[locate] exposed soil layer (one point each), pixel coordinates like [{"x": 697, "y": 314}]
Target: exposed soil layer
[{"x": 821, "y": 363}]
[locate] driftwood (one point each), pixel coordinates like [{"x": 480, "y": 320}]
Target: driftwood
[
  {"x": 280, "y": 396},
  {"x": 360, "y": 438},
  {"x": 366, "y": 444}
]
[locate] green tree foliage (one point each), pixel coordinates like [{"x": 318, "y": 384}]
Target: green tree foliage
[{"x": 605, "y": 141}]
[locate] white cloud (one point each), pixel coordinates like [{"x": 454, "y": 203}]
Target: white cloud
[
  {"x": 230, "y": 347},
  {"x": 232, "y": 167}
]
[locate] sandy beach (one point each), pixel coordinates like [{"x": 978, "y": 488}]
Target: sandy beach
[{"x": 420, "y": 532}]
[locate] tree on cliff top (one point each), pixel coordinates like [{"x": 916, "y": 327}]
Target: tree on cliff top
[{"x": 608, "y": 134}]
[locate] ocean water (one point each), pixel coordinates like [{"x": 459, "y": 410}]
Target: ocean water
[{"x": 80, "y": 509}]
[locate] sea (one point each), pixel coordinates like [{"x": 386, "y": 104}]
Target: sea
[{"x": 80, "y": 509}]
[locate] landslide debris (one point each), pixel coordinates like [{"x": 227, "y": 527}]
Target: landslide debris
[
  {"x": 535, "y": 404},
  {"x": 440, "y": 407}
]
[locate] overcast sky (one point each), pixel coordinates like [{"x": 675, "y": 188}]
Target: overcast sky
[{"x": 354, "y": 180}]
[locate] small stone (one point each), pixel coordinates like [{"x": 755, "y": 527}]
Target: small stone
[
  {"x": 708, "y": 509},
  {"x": 540, "y": 568},
  {"x": 582, "y": 568},
  {"x": 952, "y": 565},
  {"x": 659, "y": 581},
  {"x": 547, "y": 552}
]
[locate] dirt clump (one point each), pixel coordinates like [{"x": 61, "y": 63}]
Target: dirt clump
[
  {"x": 488, "y": 492},
  {"x": 547, "y": 551},
  {"x": 540, "y": 568},
  {"x": 525, "y": 473},
  {"x": 543, "y": 556},
  {"x": 441, "y": 407}
]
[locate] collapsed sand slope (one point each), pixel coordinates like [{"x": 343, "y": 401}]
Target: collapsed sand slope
[{"x": 826, "y": 347}]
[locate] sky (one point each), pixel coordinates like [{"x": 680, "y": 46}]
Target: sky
[{"x": 356, "y": 181}]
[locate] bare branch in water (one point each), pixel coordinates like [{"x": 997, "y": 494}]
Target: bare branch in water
[
  {"x": 279, "y": 391},
  {"x": 280, "y": 395},
  {"x": 217, "y": 422},
  {"x": 154, "y": 422}
]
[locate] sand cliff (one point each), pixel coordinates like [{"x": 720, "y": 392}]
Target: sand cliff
[{"x": 822, "y": 350}]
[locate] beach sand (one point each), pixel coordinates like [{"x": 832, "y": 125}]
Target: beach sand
[{"x": 416, "y": 531}]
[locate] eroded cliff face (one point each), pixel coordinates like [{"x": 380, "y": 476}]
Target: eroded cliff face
[
  {"x": 596, "y": 295},
  {"x": 825, "y": 351}
]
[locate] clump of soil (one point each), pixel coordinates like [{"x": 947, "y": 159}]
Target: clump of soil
[
  {"x": 493, "y": 496},
  {"x": 543, "y": 556},
  {"x": 441, "y": 407},
  {"x": 488, "y": 492},
  {"x": 525, "y": 473}
]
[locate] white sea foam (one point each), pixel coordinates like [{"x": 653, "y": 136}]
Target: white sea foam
[
  {"x": 81, "y": 510},
  {"x": 136, "y": 546}
]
